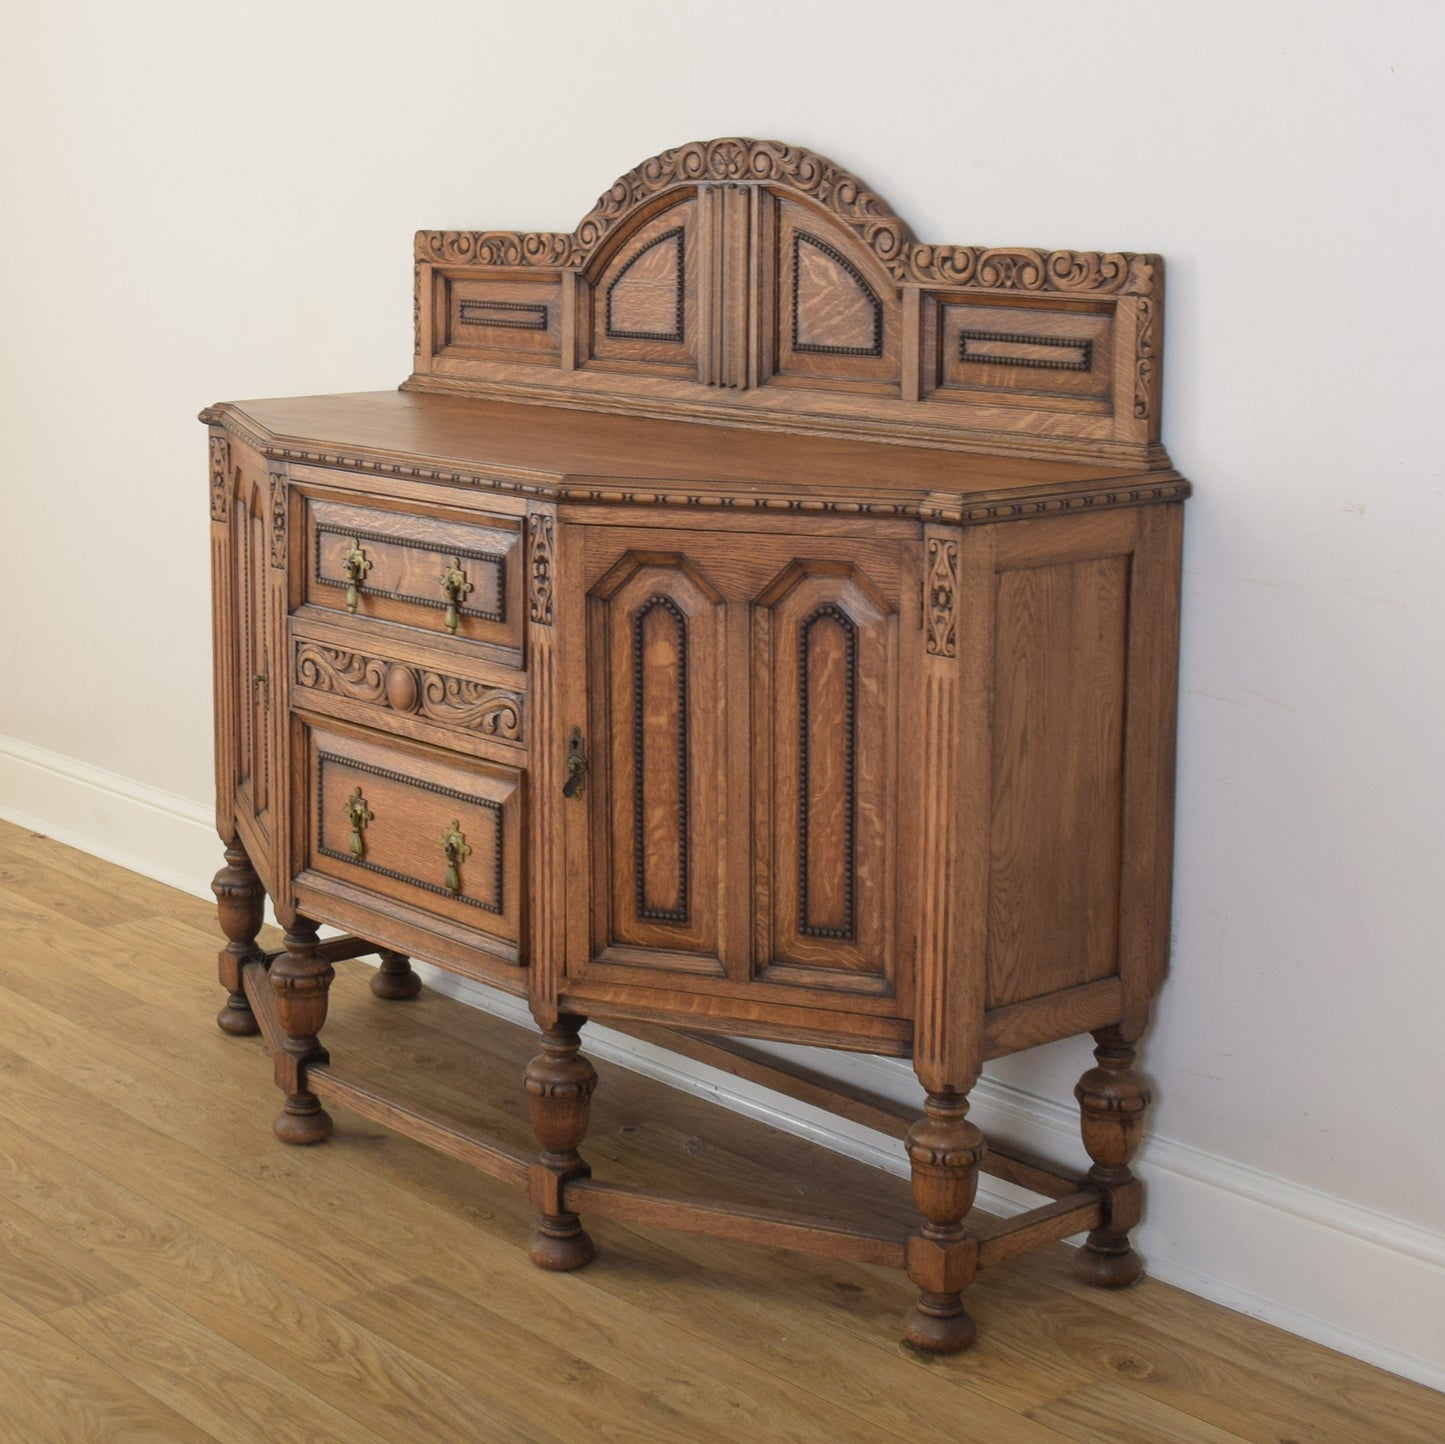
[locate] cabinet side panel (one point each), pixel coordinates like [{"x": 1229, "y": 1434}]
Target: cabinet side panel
[
  {"x": 1148, "y": 843},
  {"x": 1059, "y": 695},
  {"x": 224, "y": 594}
]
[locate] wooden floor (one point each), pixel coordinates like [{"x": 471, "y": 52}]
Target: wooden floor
[{"x": 170, "y": 1272}]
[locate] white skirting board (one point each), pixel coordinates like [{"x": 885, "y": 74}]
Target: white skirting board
[{"x": 1255, "y": 1242}]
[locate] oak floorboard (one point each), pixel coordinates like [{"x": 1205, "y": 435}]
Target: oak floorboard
[
  {"x": 75, "y": 893},
  {"x": 34, "y": 967},
  {"x": 183, "y": 1180},
  {"x": 1110, "y": 1414},
  {"x": 43, "y": 1271},
  {"x": 179, "y": 1274},
  {"x": 52, "y": 1392},
  {"x": 200, "y": 1375},
  {"x": 580, "y": 1396},
  {"x": 1248, "y": 1376},
  {"x": 1414, "y": 1413},
  {"x": 260, "y": 1312}
]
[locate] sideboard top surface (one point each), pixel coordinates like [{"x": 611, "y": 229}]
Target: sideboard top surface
[{"x": 566, "y": 454}]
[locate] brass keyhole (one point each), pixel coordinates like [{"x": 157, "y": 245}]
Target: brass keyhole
[{"x": 576, "y": 766}]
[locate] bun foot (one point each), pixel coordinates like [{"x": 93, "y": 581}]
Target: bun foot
[
  {"x": 1108, "y": 1268},
  {"x": 312, "y": 1126},
  {"x": 561, "y": 1250},
  {"x": 395, "y": 981},
  {"x": 237, "y": 1019},
  {"x": 941, "y": 1326},
  {"x": 395, "y": 987}
]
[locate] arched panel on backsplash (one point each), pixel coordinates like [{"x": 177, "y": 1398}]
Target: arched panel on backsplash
[
  {"x": 759, "y": 284},
  {"x": 837, "y": 318},
  {"x": 644, "y": 295}
]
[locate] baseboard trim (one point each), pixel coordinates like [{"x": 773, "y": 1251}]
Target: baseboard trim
[
  {"x": 158, "y": 834},
  {"x": 1290, "y": 1255}
]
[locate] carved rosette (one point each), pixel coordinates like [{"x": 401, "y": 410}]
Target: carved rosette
[
  {"x": 458, "y": 702},
  {"x": 277, "y": 482},
  {"x": 942, "y": 589},
  {"x": 843, "y": 195},
  {"x": 542, "y": 532},
  {"x": 220, "y": 473}
]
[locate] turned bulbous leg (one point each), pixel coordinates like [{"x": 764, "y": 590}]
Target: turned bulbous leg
[
  {"x": 300, "y": 978},
  {"x": 559, "y": 1093},
  {"x": 394, "y": 980},
  {"x": 241, "y": 904},
  {"x": 1112, "y": 1099},
  {"x": 944, "y": 1149}
]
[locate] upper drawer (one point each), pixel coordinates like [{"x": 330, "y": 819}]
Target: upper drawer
[{"x": 462, "y": 579}]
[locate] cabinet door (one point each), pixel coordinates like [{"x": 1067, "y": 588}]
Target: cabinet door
[
  {"x": 823, "y": 762},
  {"x": 742, "y": 696},
  {"x": 657, "y": 644}
]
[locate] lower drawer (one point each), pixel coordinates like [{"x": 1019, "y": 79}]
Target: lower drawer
[{"x": 423, "y": 834}]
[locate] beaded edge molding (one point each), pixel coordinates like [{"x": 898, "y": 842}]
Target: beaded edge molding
[{"x": 1158, "y": 486}]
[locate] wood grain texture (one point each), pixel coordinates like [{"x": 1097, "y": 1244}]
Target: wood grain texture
[
  {"x": 164, "y": 1321},
  {"x": 1058, "y": 690},
  {"x": 714, "y": 268},
  {"x": 746, "y": 645}
]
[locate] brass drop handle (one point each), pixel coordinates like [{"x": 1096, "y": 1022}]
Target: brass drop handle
[
  {"x": 456, "y": 589},
  {"x": 454, "y": 849},
  {"x": 358, "y": 814},
  {"x": 576, "y": 766},
  {"x": 356, "y": 564}
]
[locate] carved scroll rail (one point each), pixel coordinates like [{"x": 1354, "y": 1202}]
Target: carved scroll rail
[
  {"x": 456, "y": 702},
  {"x": 868, "y": 215}
]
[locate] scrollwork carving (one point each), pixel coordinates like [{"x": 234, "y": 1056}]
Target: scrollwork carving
[
  {"x": 787, "y": 167},
  {"x": 457, "y": 702},
  {"x": 942, "y": 588},
  {"x": 348, "y": 674},
  {"x": 498, "y": 248},
  {"x": 220, "y": 477},
  {"x": 460, "y": 702},
  {"x": 543, "y": 536},
  {"x": 277, "y": 482},
  {"x": 1144, "y": 358}
]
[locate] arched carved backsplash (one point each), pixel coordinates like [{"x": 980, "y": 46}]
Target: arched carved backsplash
[{"x": 759, "y": 284}]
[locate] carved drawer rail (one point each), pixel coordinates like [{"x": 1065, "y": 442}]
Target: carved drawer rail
[{"x": 1073, "y": 1209}]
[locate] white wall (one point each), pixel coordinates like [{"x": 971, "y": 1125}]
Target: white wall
[{"x": 204, "y": 202}]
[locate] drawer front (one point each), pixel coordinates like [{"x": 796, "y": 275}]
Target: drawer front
[
  {"x": 449, "y": 578},
  {"x": 424, "y": 834},
  {"x": 451, "y": 701}
]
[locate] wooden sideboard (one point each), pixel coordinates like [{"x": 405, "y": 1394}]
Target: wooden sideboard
[{"x": 746, "y": 622}]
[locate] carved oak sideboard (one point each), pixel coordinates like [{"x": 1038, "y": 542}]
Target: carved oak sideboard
[{"x": 747, "y": 621}]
